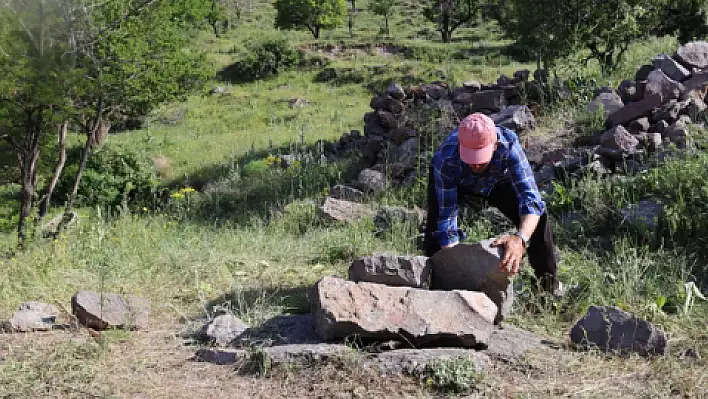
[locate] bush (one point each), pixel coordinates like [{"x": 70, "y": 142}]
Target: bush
[
  {"x": 113, "y": 175},
  {"x": 458, "y": 375},
  {"x": 263, "y": 58}
]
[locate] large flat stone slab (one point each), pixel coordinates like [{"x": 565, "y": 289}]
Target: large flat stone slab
[
  {"x": 474, "y": 267},
  {"x": 423, "y": 318}
]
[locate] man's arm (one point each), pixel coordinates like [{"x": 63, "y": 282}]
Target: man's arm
[{"x": 531, "y": 207}]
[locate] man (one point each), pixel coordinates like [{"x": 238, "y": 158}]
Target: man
[{"x": 479, "y": 159}]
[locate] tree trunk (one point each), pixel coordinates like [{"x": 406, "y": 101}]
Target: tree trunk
[
  {"x": 91, "y": 131},
  {"x": 388, "y": 32},
  {"x": 316, "y": 32},
  {"x": 27, "y": 160},
  {"x": 57, "y": 171},
  {"x": 445, "y": 28}
]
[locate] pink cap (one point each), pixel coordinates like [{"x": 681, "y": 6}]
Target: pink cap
[{"x": 478, "y": 136}]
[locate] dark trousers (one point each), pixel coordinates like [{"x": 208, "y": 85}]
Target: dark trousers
[{"x": 541, "y": 251}]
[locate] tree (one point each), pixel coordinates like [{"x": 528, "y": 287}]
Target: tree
[
  {"x": 314, "y": 15},
  {"x": 33, "y": 87},
  {"x": 223, "y": 12},
  {"x": 383, "y": 8},
  {"x": 555, "y": 28},
  {"x": 89, "y": 64},
  {"x": 687, "y": 19},
  {"x": 451, "y": 14}
]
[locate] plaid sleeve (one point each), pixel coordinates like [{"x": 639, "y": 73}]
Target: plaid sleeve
[
  {"x": 446, "y": 190},
  {"x": 524, "y": 183}
]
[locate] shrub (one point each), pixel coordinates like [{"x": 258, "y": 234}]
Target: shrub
[
  {"x": 263, "y": 58},
  {"x": 113, "y": 175},
  {"x": 457, "y": 375}
]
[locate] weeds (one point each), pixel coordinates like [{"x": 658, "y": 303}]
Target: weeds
[{"x": 452, "y": 376}]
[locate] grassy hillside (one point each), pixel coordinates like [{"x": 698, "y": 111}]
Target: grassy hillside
[{"x": 248, "y": 238}]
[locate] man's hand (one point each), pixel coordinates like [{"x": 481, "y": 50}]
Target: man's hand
[{"x": 513, "y": 252}]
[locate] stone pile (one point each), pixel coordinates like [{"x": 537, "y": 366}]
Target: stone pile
[
  {"x": 417, "y": 300},
  {"x": 655, "y": 110}
]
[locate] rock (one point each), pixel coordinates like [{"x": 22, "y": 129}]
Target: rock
[
  {"x": 635, "y": 110},
  {"x": 660, "y": 84},
  {"x": 346, "y": 193},
  {"x": 696, "y": 86},
  {"x": 387, "y": 215},
  {"x": 401, "y": 134},
  {"x": 504, "y": 80},
  {"x": 372, "y": 126},
  {"x": 371, "y": 180},
  {"x": 414, "y": 361},
  {"x": 695, "y": 107},
  {"x": 434, "y": 91},
  {"x": 223, "y": 329},
  {"x": 474, "y": 268},
  {"x": 298, "y": 102},
  {"x": 644, "y": 214},
  {"x": 393, "y": 270},
  {"x": 659, "y": 127},
  {"x": 463, "y": 97},
  {"x": 693, "y": 55},
  {"x": 396, "y": 91},
  {"x": 612, "y": 329},
  {"x": 343, "y": 211},
  {"x": 516, "y": 117},
  {"x": 522, "y": 75},
  {"x": 493, "y": 100},
  {"x": 671, "y": 68},
  {"x": 652, "y": 141},
  {"x": 643, "y": 73},
  {"x": 669, "y": 111},
  {"x": 45, "y": 309},
  {"x": 28, "y": 321},
  {"x": 639, "y": 125},
  {"x": 373, "y": 311},
  {"x": 627, "y": 91},
  {"x": 217, "y": 90},
  {"x": 407, "y": 153},
  {"x": 472, "y": 85},
  {"x": 386, "y": 103},
  {"x": 101, "y": 311},
  {"x": 609, "y": 102},
  {"x": 386, "y": 119},
  {"x": 618, "y": 138},
  {"x": 274, "y": 355}
]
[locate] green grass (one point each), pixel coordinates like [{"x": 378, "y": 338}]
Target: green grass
[{"x": 250, "y": 239}]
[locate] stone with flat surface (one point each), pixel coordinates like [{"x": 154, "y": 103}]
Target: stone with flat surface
[
  {"x": 393, "y": 270},
  {"x": 423, "y": 318},
  {"x": 474, "y": 267}
]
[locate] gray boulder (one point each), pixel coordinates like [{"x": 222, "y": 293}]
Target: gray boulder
[
  {"x": 693, "y": 55},
  {"x": 424, "y": 318},
  {"x": 627, "y": 91},
  {"x": 696, "y": 86},
  {"x": 522, "y": 75},
  {"x": 386, "y": 216},
  {"x": 33, "y": 316},
  {"x": 101, "y": 311},
  {"x": 396, "y": 91},
  {"x": 343, "y": 211},
  {"x": 518, "y": 118},
  {"x": 609, "y": 102},
  {"x": 223, "y": 329},
  {"x": 660, "y": 84},
  {"x": 618, "y": 138},
  {"x": 612, "y": 329},
  {"x": 671, "y": 68},
  {"x": 393, "y": 270},
  {"x": 386, "y": 103},
  {"x": 639, "y": 125},
  {"x": 635, "y": 110},
  {"x": 371, "y": 180},
  {"x": 346, "y": 193},
  {"x": 475, "y": 268},
  {"x": 643, "y": 73},
  {"x": 494, "y": 100}
]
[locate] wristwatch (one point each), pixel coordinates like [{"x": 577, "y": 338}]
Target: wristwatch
[{"x": 524, "y": 239}]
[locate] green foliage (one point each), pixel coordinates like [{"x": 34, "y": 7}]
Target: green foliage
[
  {"x": 554, "y": 28},
  {"x": 113, "y": 176},
  {"x": 311, "y": 14},
  {"x": 451, "y": 14},
  {"x": 264, "y": 58},
  {"x": 383, "y": 8},
  {"x": 686, "y": 19},
  {"x": 458, "y": 375}
]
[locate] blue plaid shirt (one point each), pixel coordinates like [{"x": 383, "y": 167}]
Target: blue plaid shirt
[{"x": 451, "y": 174}]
